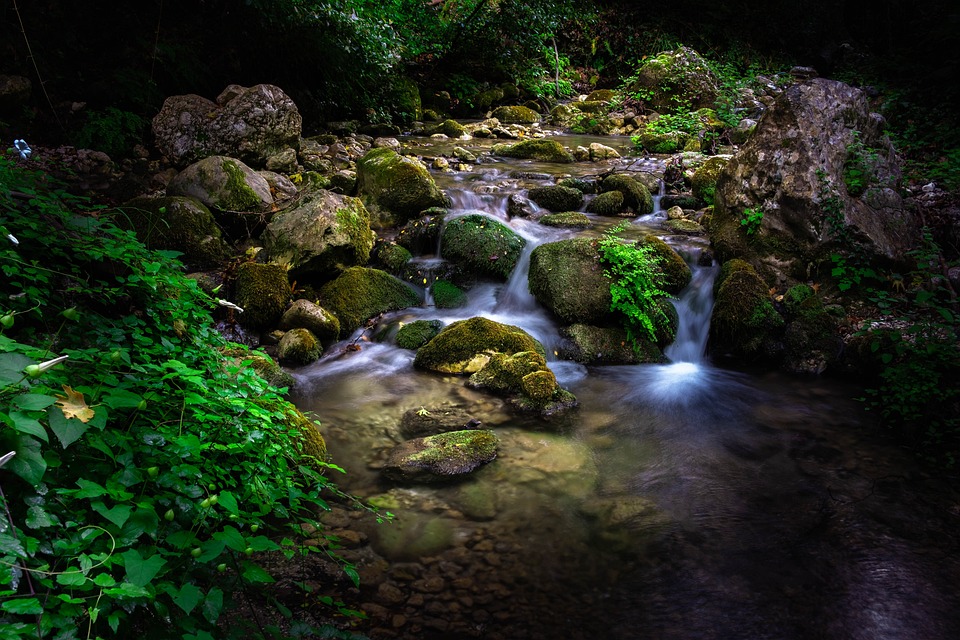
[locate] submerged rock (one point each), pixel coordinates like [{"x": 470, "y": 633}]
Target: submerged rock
[
  {"x": 416, "y": 423},
  {"x": 442, "y": 457}
]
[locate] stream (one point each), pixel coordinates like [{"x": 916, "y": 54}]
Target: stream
[{"x": 678, "y": 501}]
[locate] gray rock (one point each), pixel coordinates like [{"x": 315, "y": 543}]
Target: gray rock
[{"x": 307, "y": 315}]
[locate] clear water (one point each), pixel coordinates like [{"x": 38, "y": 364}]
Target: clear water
[{"x": 678, "y": 501}]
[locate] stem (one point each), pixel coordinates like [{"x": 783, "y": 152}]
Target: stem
[
  {"x": 33, "y": 59},
  {"x": 556, "y": 66},
  {"x": 13, "y": 527}
]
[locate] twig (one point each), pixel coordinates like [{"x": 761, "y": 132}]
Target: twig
[{"x": 33, "y": 59}]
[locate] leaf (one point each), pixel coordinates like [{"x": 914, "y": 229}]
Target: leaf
[
  {"x": 11, "y": 368},
  {"x": 213, "y": 605},
  {"x": 232, "y": 538},
  {"x": 23, "y": 606},
  {"x": 139, "y": 571},
  {"x": 67, "y": 430},
  {"x": 33, "y": 401},
  {"x": 117, "y": 515},
  {"x": 255, "y": 573},
  {"x": 351, "y": 572},
  {"x": 28, "y": 463},
  {"x": 229, "y": 503},
  {"x": 74, "y": 406},
  {"x": 121, "y": 399},
  {"x": 89, "y": 489},
  {"x": 11, "y": 546},
  {"x": 38, "y": 518},
  {"x": 25, "y": 424},
  {"x": 127, "y": 590},
  {"x": 188, "y": 597}
]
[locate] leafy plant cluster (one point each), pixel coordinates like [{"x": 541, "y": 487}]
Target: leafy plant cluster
[
  {"x": 750, "y": 220},
  {"x": 150, "y": 474},
  {"x": 113, "y": 131},
  {"x": 860, "y": 167},
  {"x": 636, "y": 285}
]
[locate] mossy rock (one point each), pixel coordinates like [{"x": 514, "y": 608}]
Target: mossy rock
[
  {"x": 524, "y": 379},
  {"x": 567, "y": 220},
  {"x": 601, "y": 95},
  {"x": 610, "y": 203},
  {"x": 566, "y": 277},
  {"x": 429, "y": 115},
  {"x": 411, "y": 539},
  {"x": 298, "y": 347},
  {"x": 744, "y": 322},
  {"x": 541, "y": 149},
  {"x": 465, "y": 346},
  {"x": 264, "y": 366},
  {"x": 588, "y": 344},
  {"x": 223, "y": 183},
  {"x": 676, "y": 272},
  {"x": 308, "y": 315},
  {"x": 670, "y": 142},
  {"x": 176, "y": 223},
  {"x": 481, "y": 246},
  {"x": 402, "y": 186},
  {"x": 392, "y": 256},
  {"x": 308, "y": 439},
  {"x": 583, "y": 185},
  {"x": 686, "y": 227},
  {"x": 680, "y": 76},
  {"x": 418, "y": 333},
  {"x": 557, "y": 198},
  {"x": 704, "y": 180},
  {"x": 452, "y": 129},
  {"x": 515, "y": 115},
  {"x": 563, "y": 115},
  {"x": 487, "y": 98},
  {"x": 636, "y": 196},
  {"x": 262, "y": 291},
  {"x": 511, "y": 92},
  {"x": 360, "y": 293},
  {"x": 447, "y": 295},
  {"x": 422, "y": 236},
  {"x": 443, "y": 457},
  {"x": 428, "y": 421}
]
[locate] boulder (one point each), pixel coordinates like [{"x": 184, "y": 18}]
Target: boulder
[
  {"x": 515, "y": 115},
  {"x": 540, "y": 149},
  {"x": 307, "y": 315},
  {"x": 262, "y": 291},
  {"x": 557, "y": 198},
  {"x": 452, "y": 129},
  {"x": 795, "y": 169},
  {"x": 447, "y": 295},
  {"x": 360, "y": 293},
  {"x": 442, "y": 457},
  {"x": 566, "y": 277},
  {"x": 567, "y": 220},
  {"x": 176, "y": 223},
  {"x": 466, "y": 346},
  {"x": 298, "y": 347},
  {"x": 417, "y": 423},
  {"x": 672, "y": 78},
  {"x": 610, "y": 203},
  {"x": 320, "y": 235},
  {"x": 481, "y": 246},
  {"x": 636, "y": 196},
  {"x": 676, "y": 272},
  {"x": 744, "y": 322},
  {"x": 251, "y": 124},
  {"x": 526, "y": 382},
  {"x": 422, "y": 235},
  {"x": 401, "y": 186},
  {"x": 417, "y": 333},
  {"x": 588, "y": 344},
  {"x": 703, "y": 183}
]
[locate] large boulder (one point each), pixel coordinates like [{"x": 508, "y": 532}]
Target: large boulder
[
  {"x": 176, "y": 223},
  {"x": 400, "y": 185},
  {"x": 674, "y": 78},
  {"x": 606, "y": 345},
  {"x": 515, "y": 115},
  {"x": 744, "y": 322},
  {"x": 442, "y": 457},
  {"x": 557, "y": 198},
  {"x": 566, "y": 277},
  {"x": 636, "y": 196},
  {"x": 322, "y": 234},
  {"x": 466, "y": 346},
  {"x": 541, "y": 149},
  {"x": 304, "y": 314},
  {"x": 794, "y": 178},
  {"x": 262, "y": 291},
  {"x": 298, "y": 347},
  {"x": 251, "y": 124},
  {"x": 480, "y": 245},
  {"x": 676, "y": 272},
  {"x": 360, "y": 293}
]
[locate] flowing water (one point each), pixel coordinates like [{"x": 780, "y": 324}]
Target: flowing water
[{"x": 678, "y": 501}]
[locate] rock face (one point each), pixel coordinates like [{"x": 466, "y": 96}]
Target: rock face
[
  {"x": 445, "y": 456},
  {"x": 251, "y": 124},
  {"x": 744, "y": 322},
  {"x": 223, "y": 183},
  {"x": 481, "y": 246},
  {"x": 796, "y": 170},
  {"x": 360, "y": 293},
  {"x": 566, "y": 278},
  {"x": 678, "y": 75},
  {"x": 177, "y": 223},
  {"x": 324, "y": 233},
  {"x": 400, "y": 185}
]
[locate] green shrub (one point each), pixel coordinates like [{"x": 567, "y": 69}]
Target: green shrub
[{"x": 112, "y": 131}]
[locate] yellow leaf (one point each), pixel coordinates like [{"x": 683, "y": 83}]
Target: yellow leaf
[{"x": 74, "y": 406}]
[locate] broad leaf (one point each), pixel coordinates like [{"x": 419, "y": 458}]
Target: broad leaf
[
  {"x": 25, "y": 424},
  {"x": 73, "y": 405},
  {"x": 139, "y": 571},
  {"x": 117, "y": 515},
  {"x": 67, "y": 430},
  {"x": 33, "y": 401},
  {"x": 188, "y": 597}
]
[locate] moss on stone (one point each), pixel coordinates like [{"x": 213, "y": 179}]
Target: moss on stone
[
  {"x": 504, "y": 373},
  {"x": 176, "y": 223},
  {"x": 393, "y": 257},
  {"x": 539, "y": 385},
  {"x": 744, "y": 321},
  {"x": 418, "y": 333},
  {"x": 670, "y": 142},
  {"x": 298, "y": 347},
  {"x": 566, "y": 220},
  {"x": 704, "y": 180},
  {"x": 241, "y": 196},
  {"x": 515, "y": 115},
  {"x": 676, "y": 272},
  {"x": 486, "y": 99},
  {"x": 443, "y": 456},
  {"x": 403, "y": 186},
  {"x": 447, "y": 295},
  {"x": 541, "y": 149},
  {"x": 684, "y": 226},
  {"x": 635, "y": 195},
  {"x": 307, "y": 315},
  {"x": 588, "y": 344},
  {"x": 360, "y": 293},
  {"x": 601, "y": 95},
  {"x": 606, "y": 204},
  {"x": 262, "y": 291},
  {"x": 481, "y": 245},
  {"x": 566, "y": 277},
  {"x": 465, "y": 346},
  {"x": 583, "y": 185},
  {"x": 557, "y": 198},
  {"x": 452, "y": 129}
]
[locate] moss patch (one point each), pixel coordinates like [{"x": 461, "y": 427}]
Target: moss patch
[
  {"x": 418, "y": 333},
  {"x": 676, "y": 272},
  {"x": 465, "y": 346},
  {"x": 481, "y": 246},
  {"x": 635, "y": 195},
  {"x": 444, "y": 456},
  {"x": 401, "y": 185},
  {"x": 360, "y": 293},
  {"x": 447, "y": 295},
  {"x": 298, "y": 347},
  {"x": 566, "y": 277},
  {"x": 557, "y": 198},
  {"x": 515, "y": 115},
  {"x": 262, "y": 290},
  {"x": 744, "y": 321},
  {"x": 541, "y": 149},
  {"x": 567, "y": 220},
  {"x": 607, "y": 204}
]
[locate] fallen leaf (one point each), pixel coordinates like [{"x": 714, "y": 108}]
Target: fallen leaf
[{"x": 74, "y": 406}]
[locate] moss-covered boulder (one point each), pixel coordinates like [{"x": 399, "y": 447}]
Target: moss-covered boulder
[
  {"x": 515, "y": 115},
  {"x": 669, "y": 142},
  {"x": 392, "y": 257},
  {"x": 176, "y": 223},
  {"x": 811, "y": 342},
  {"x": 636, "y": 196},
  {"x": 601, "y": 95},
  {"x": 487, "y": 98},
  {"x": 223, "y": 183},
  {"x": 481, "y": 246},
  {"x": 452, "y": 129},
  {"x": 466, "y": 346},
  {"x": 680, "y": 76},
  {"x": 308, "y": 315},
  {"x": 264, "y": 366},
  {"x": 610, "y": 203},
  {"x": 556, "y": 198},
  {"x": 744, "y": 322},
  {"x": 583, "y": 185},
  {"x": 447, "y": 295},
  {"x": 422, "y": 235},
  {"x": 566, "y": 277},
  {"x": 542, "y": 149},
  {"x": 298, "y": 347},
  {"x": 588, "y": 344},
  {"x": 704, "y": 180},
  {"x": 262, "y": 291},
  {"x": 417, "y": 333},
  {"x": 321, "y": 235},
  {"x": 526, "y": 382},
  {"x": 676, "y": 272},
  {"x": 360, "y": 293},
  {"x": 567, "y": 220},
  {"x": 684, "y": 226},
  {"x": 443, "y": 457},
  {"x": 401, "y": 186},
  {"x": 428, "y": 421}
]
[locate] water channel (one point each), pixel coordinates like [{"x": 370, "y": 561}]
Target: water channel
[{"x": 678, "y": 501}]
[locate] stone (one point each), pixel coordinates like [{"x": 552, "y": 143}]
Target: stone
[
  {"x": 298, "y": 347},
  {"x": 539, "y": 149},
  {"x": 360, "y": 293},
  {"x": 557, "y": 198},
  {"x": 677, "y": 76},
  {"x": 566, "y": 277},
  {"x": 481, "y": 245},
  {"x": 415, "y": 334},
  {"x": 465, "y": 346},
  {"x": 515, "y": 115},
  {"x": 441, "y": 457},
  {"x": 400, "y": 185},
  {"x": 176, "y": 223},
  {"x": 635, "y": 195},
  {"x": 308, "y": 315},
  {"x": 262, "y": 291}
]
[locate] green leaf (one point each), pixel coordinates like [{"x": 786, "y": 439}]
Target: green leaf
[
  {"x": 28, "y": 463},
  {"x": 229, "y": 503},
  {"x": 141, "y": 571},
  {"x": 188, "y": 597},
  {"x": 11, "y": 368},
  {"x": 121, "y": 399},
  {"x": 255, "y": 573},
  {"x": 72, "y": 577},
  {"x": 34, "y": 401},
  {"x": 114, "y": 619},
  {"x": 11, "y": 546},
  {"x": 67, "y": 430},
  {"x": 351, "y": 572},
  {"x": 127, "y": 590},
  {"x": 117, "y": 514},
  {"x": 38, "y": 518},
  {"x": 232, "y": 538},
  {"x": 25, "y": 424},
  {"x": 213, "y": 605},
  {"x": 23, "y": 606},
  {"x": 89, "y": 489},
  {"x": 104, "y": 580}
]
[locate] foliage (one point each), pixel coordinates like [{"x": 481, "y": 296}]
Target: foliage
[
  {"x": 150, "y": 473},
  {"x": 112, "y": 131},
  {"x": 750, "y": 219},
  {"x": 859, "y": 169},
  {"x": 636, "y": 285}
]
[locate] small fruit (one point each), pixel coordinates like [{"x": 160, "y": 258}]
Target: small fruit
[
  {"x": 205, "y": 504},
  {"x": 116, "y": 356},
  {"x": 153, "y": 472},
  {"x": 212, "y": 487},
  {"x": 196, "y": 551},
  {"x": 6, "y": 321},
  {"x": 221, "y": 567},
  {"x": 71, "y": 314},
  {"x": 141, "y": 405},
  {"x": 214, "y": 499},
  {"x": 254, "y": 528},
  {"x": 248, "y": 551},
  {"x": 32, "y": 370},
  {"x": 169, "y": 515}
]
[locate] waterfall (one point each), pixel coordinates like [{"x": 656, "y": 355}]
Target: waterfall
[{"x": 694, "y": 308}]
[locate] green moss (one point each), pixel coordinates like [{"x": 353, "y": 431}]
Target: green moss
[
  {"x": 566, "y": 277},
  {"x": 262, "y": 290},
  {"x": 401, "y": 185},
  {"x": 481, "y": 245},
  {"x": 456, "y": 452},
  {"x": 177, "y": 223},
  {"x": 606, "y": 204},
  {"x": 557, "y": 198},
  {"x": 601, "y": 95},
  {"x": 670, "y": 142},
  {"x": 465, "y": 346},
  {"x": 583, "y": 185},
  {"x": 241, "y": 196},
  {"x": 393, "y": 257},
  {"x": 539, "y": 385},
  {"x": 485, "y": 99},
  {"x": 418, "y": 333},
  {"x": 516, "y": 115},
  {"x": 541, "y": 149},
  {"x": 360, "y": 293},
  {"x": 704, "y": 180},
  {"x": 635, "y": 195},
  {"x": 356, "y": 222},
  {"x": 447, "y": 295},
  {"x": 452, "y": 129},
  {"x": 606, "y": 345},
  {"x": 504, "y": 373},
  {"x": 299, "y": 347},
  {"x": 566, "y": 220},
  {"x": 676, "y": 271},
  {"x": 744, "y": 321}
]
